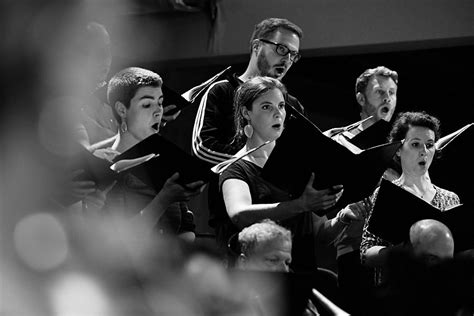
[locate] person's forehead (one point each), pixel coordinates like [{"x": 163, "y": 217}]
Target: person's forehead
[
  {"x": 420, "y": 132},
  {"x": 381, "y": 81},
  {"x": 279, "y": 244},
  {"x": 286, "y": 37},
  {"x": 272, "y": 94},
  {"x": 155, "y": 92}
]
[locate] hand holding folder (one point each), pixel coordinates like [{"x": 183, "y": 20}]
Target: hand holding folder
[
  {"x": 396, "y": 209},
  {"x": 303, "y": 148},
  {"x": 168, "y": 160}
]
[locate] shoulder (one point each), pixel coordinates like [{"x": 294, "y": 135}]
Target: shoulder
[
  {"x": 447, "y": 198},
  {"x": 241, "y": 169},
  {"x": 221, "y": 87}
]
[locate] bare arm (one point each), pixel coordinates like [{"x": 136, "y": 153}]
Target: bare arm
[{"x": 243, "y": 212}]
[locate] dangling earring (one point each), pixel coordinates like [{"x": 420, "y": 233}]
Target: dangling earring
[
  {"x": 123, "y": 126},
  {"x": 248, "y": 130}
]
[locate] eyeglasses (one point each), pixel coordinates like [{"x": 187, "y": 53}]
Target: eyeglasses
[{"x": 282, "y": 50}]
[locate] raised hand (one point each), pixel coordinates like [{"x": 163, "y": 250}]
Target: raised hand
[
  {"x": 173, "y": 191},
  {"x": 169, "y": 117},
  {"x": 315, "y": 200},
  {"x": 80, "y": 188},
  {"x": 94, "y": 202},
  {"x": 356, "y": 211}
]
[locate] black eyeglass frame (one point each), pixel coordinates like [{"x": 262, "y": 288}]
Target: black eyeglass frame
[{"x": 294, "y": 55}]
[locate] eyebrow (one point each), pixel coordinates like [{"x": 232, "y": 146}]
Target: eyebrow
[{"x": 146, "y": 97}]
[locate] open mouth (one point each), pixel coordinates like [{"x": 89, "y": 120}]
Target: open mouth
[
  {"x": 422, "y": 163},
  {"x": 156, "y": 127},
  {"x": 384, "y": 110},
  {"x": 276, "y": 126},
  {"x": 280, "y": 70}
]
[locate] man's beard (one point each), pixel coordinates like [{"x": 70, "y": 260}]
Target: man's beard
[
  {"x": 264, "y": 67},
  {"x": 376, "y": 111}
]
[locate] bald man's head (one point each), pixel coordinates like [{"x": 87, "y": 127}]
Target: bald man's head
[{"x": 431, "y": 240}]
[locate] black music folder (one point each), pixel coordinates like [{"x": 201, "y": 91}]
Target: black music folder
[
  {"x": 396, "y": 209},
  {"x": 95, "y": 168},
  {"x": 303, "y": 148},
  {"x": 453, "y": 169},
  {"x": 172, "y": 97},
  {"x": 374, "y": 135},
  {"x": 169, "y": 159}
]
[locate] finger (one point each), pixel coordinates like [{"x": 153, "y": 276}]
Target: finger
[
  {"x": 174, "y": 177},
  {"x": 76, "y": 173},
  {"x": 83, "y": 185},
  {"x": 311, "y": 180},
  {"x": 174, "y": 116},
  {"x": 107, "y": 189},
  {"x": 194, "y": 185},
  {"x": 81, "y": 193},
  {"x": 169, "y": 108}
]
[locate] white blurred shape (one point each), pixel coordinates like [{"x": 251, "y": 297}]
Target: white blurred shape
[
  {"x": 59, "y": 127},
  {"x": 76, "y": 294},
  {"x": 40, "y": 241}
]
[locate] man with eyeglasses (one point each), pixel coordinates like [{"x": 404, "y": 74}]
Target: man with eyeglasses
[{"x": 274, "y": 48}]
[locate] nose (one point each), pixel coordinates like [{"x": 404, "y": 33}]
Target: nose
[
  {"x": 280, "y": 112},
  {"x": 423, "y": 149},
  {"x": 287, "y": 58},
  {"x": 284, "y": 267},
  {"x": 158, "y": 110}
]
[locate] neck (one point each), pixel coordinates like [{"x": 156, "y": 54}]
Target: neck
[
  {"x": 260, "y": 156},
  {"x": 421, "y": 183},
  {"x": 124, "y": 141},
  {"x": 250, "y": 72}
]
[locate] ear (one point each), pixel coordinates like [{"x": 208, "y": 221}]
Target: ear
[
  {"x": 398, "y": 152},
  {"x": 121, "y": 109},
  {"x": 360, "y": 98},
  {"x": 245, "y": 113},
  {"x": 255, "y": 45}
]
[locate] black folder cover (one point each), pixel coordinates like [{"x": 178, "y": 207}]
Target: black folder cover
[
  {"x": 396, "y": 209},
  {"x": 303, "y": 148},
  {"x": 95, "y": 169},
  {"x": 171, "y": 159},
  {"x": 374, "y": 135},
  {"x": 172, "y": 97},
  {"x": 455, "y": 164}
]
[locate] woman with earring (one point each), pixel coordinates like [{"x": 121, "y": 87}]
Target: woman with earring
[
  {"x": 259, "y": 106},
  {"x": 420, "y": 131},
  {"x": 136, "y": 98}
]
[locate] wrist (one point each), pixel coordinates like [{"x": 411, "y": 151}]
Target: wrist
[
  {"x": 341, "y": 218},
  {"x": 300, "y": 206}
]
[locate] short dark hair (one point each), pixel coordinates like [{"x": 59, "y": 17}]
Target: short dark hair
[
  {"x": 248, "y": 92},
  {"x": 405, "y": 120},
  {"x": 363, "y": 80},
  {"x": 267, "y": 27},
  {"x": 255, "y": 234},
  {"x": 123, "y": 85}
]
